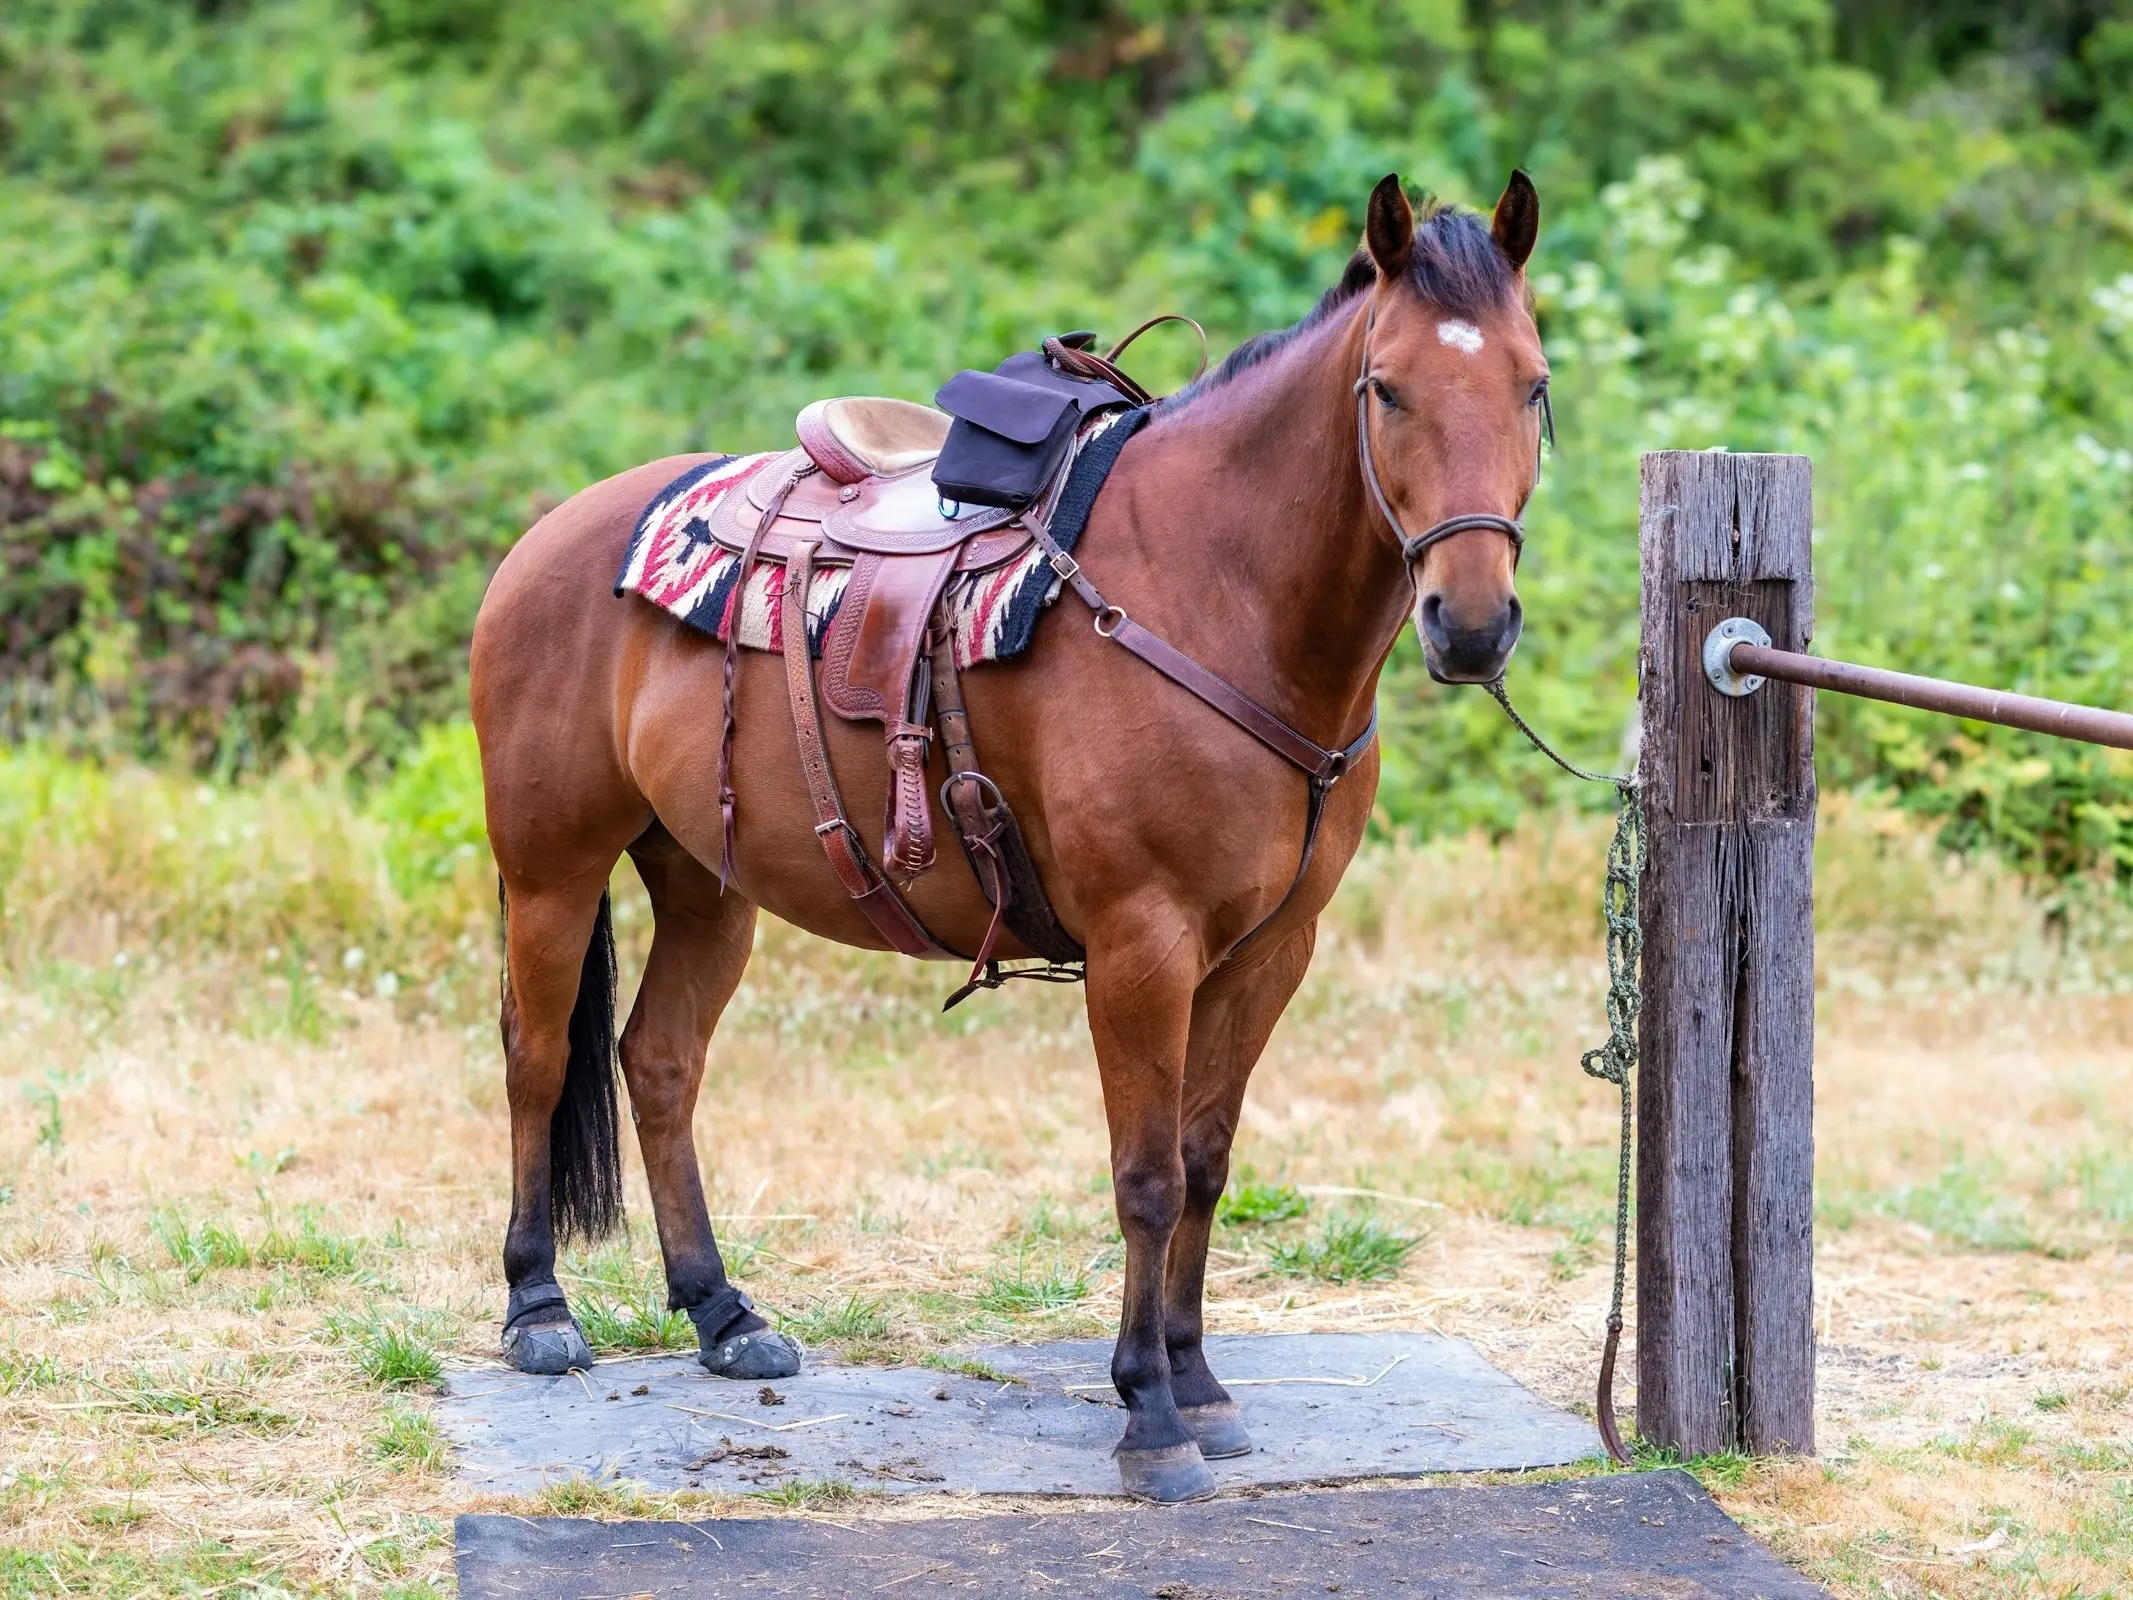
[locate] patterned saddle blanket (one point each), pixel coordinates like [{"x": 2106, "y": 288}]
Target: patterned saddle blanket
[{"x": 685, "y": 553}]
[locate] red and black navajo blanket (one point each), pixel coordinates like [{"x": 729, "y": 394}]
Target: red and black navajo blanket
[{"x": 675, "y": 563}]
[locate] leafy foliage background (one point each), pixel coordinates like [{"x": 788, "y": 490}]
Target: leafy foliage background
[{"x": 307, "y": 309}]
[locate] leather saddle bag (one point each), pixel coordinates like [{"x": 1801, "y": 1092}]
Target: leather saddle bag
[{"x": 1013, "y": 427}]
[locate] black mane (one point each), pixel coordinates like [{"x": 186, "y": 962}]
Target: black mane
[{"x": 1455, "y": 264}]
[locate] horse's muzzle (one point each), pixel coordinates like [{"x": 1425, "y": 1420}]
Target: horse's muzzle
[{"x": 1459, "y": 649}]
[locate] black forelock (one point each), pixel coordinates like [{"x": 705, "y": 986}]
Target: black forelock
[{"x": 1455, "y": 264}]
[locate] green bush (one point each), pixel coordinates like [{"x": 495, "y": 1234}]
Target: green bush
[{"x": 307, "y": 310}]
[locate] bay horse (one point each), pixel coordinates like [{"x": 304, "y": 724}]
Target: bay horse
[{"x": 1258, "y": 523}]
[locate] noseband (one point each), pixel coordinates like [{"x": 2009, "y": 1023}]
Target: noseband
[{"x": 1414, "y": 546}]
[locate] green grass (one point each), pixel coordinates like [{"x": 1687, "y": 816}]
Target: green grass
[
  {"x": 208, "y": 1399},
  {"x": 19, "y": 1372},
  {"x": 1026, "y": 1289},
  {"x": 963, "y": 1367},
  {"x": 621, "y": 1305},
  {"x": 1253, "y": 1204},
  {"x": 588, "y": 1497},
  {"x": 808, "y": 1492},
  {"x": 1345, "y": 1250},
  {"x": 1574, "y": 1254},
  {"x": 311, "y": 1246},
  {"x": 1967, "y": 1203},
  {"x": 398, "y": 1357},
  {"x": 632, "y": 1325},
  {"x": 197, "y": 1247},
  {"x": 194, "y": 1569},
  {"x": 302, "y": 1241},
  {"x": 2104, "y": 1175},
  {"x": 51, "y": 1130},
  {"x": 395, "y": 1348},
  {"x": 409, "y": 1441},
  {"x": 852, "y": 1320}
]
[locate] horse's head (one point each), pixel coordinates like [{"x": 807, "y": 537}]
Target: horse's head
[{"x": 1450, "y": 404}]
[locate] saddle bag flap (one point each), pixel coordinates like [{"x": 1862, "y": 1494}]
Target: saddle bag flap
[
  {"x": 1025, "y": 413},
  {"x": 1007, "y": 440}
]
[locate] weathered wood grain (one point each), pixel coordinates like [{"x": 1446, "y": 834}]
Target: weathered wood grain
[{"x": 1725, "y": 1354}]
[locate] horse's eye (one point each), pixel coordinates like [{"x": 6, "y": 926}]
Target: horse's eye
[
  {"x": 1539, "y": 397},
  {"x": 1386, "y": 398}
]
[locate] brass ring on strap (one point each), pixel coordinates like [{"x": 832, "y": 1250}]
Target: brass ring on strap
[{"x": 1117, "y": 618}]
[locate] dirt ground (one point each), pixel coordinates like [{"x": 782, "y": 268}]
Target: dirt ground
[{"x": 250, "y": 1212}]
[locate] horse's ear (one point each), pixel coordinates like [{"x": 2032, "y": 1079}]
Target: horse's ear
[
  {"x": 1517, "y": 222},
  {"x": 1390, "y": 229}
]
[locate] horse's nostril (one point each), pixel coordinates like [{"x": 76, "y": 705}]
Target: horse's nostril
[
  {"x": 1431, "y": 617},
  {"x": 1514, "y": 621}
]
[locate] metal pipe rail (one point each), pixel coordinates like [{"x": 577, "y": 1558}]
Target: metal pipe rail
[{"x": 1737, "y": 657}]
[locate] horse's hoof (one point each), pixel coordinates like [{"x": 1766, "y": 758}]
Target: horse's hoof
[
  {"x": 550, "y": 1348},
  {"x": 766, "y": 1353},
  {"x": 1174, "y": 1473},
  {"x": 1218, "y": 1429}
]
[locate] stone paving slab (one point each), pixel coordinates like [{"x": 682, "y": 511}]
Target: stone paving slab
[
  {"x": 1322, "y": 1407},
  {"x": 1630, "y": 1536}
]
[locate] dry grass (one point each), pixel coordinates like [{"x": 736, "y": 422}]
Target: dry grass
[{"x": 251, "y": 1196}]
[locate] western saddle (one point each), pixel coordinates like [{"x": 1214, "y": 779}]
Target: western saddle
[{"x": 857, "y": 492}]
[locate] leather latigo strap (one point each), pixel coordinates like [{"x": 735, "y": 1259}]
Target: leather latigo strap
[
  {"x": 875, "y": 896},
  {"x": 991, "y": 838}
]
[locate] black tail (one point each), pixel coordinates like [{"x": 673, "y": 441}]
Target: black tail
[{"x": 584, "y": 1149}]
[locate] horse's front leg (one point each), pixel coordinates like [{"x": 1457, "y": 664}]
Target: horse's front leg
[
  {"x": 1232, "y": 1015},
  {"x": 1141, "y": 983}
]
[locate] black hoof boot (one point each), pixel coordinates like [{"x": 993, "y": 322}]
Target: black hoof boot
[
  {"x": 540, "y": 1334},
  {"x": 1218, "y": 1429},
  {"x": 733, "y": 1342},
  {"x": 1167, "y": 1476}
]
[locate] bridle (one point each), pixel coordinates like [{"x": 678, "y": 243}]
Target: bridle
[{"x": 1413, "y": 546}]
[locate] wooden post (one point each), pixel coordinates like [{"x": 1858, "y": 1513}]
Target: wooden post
[{"x": 1725, "y": 1169}]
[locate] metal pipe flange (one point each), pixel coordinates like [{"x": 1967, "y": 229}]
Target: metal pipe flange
[{"x": 1718, "y": 656}]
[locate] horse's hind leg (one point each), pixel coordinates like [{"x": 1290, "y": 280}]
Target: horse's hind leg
[
  {"x": 700, "y": 948},
  {"x": 558, "y": 1021},
  {"x": 1232, "y": 1015}
]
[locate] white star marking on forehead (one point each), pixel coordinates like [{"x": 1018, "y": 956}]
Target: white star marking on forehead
[{"x": 1463, "y": 336}]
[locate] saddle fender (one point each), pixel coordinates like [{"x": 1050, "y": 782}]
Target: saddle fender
[{"x": 870, "y": 670}]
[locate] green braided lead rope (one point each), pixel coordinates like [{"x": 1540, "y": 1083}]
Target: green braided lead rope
[{"x": 1615, "y": 1060}]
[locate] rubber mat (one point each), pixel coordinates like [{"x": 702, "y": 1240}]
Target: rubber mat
[{"x": 1647, "y": 1536}]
